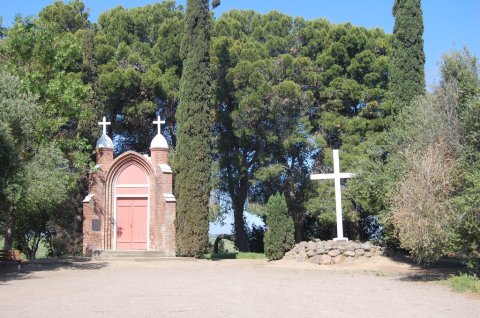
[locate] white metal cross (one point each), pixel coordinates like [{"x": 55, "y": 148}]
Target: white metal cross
[
  {"x": 104, "y": 123},
  {"x": 337, "y": 176},
  {"x": 159, "y": 123}
]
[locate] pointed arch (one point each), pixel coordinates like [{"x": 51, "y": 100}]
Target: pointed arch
[
  {"x": 121, "y": 164},
  {"x": 126, "y": 159}
]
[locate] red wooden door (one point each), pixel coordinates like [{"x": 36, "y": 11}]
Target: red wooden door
[{"x": 131, "y": 223}]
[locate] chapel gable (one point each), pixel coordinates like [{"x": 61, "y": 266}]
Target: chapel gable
[{"x": 130, "y": 204}]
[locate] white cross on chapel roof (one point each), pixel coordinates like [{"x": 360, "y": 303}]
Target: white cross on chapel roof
[
  {"x": 104, "y": 123},
  {"x": 159, "y": 123},
  {"x": 337, "y": 176}
]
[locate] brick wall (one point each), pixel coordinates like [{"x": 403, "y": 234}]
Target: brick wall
[{"x": 101, "y": 206}]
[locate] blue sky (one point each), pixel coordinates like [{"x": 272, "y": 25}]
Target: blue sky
[{"x": 448, "y": 24}]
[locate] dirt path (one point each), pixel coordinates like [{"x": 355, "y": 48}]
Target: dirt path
[{"x": 227, "y": 288}]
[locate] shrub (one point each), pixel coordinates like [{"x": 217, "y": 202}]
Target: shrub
[
  {"x": 255, "y": 238},
  {"x": 422, "y": 215},
  {"x": 424, "y": 220},
  {"x": 279, "y": 237}
]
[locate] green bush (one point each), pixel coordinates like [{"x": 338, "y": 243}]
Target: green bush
[
  {"x": 256, "y": 237},
  {"x": 279, "y": 237}
]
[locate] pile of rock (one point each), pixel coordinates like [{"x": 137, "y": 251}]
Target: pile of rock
[{"x": 332, "y": 252}]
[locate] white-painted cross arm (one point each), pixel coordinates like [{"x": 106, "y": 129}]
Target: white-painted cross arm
[
  {"x": 104, "y": 123},
  {"x": 325, "y": 176},
  {"x": 322, "y": 176},
  {"x": 337, "y": 176},
  {"x": 159, "y": 123}
]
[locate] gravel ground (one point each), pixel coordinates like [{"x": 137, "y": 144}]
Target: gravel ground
[{"x": 226, "y": 288}]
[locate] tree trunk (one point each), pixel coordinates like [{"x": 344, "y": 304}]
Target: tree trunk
[
  {"x": 297, "y": 214},
  {"x": 238, "y": 201},
  {"x": 241, "y": 239},
  {"x": 34, "y": 248},
  {"x": 9, "y": 229},
  {"x": 298, "y": 224}
]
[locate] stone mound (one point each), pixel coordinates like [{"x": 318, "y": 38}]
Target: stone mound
[{"x": 332, "y": 252}]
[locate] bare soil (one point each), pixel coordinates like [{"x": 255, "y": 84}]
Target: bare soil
[{"x": 379, "y": 287}]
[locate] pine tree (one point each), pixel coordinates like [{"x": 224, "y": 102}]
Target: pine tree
[
  {"x": 407, "y": 75},
  {"x": 279, "y": 237},
  {"x": 193, "y": 160}
]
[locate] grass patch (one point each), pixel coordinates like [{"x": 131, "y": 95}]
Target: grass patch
[
  {"x": 464, "y": 282},
  {"x": 226, "y": 246},
  {"x": 235, "y": 255},
  {"x": 250, "y": 255},
  {"x": 42, "y": 251},
  {"x": 228, "y": 250}
]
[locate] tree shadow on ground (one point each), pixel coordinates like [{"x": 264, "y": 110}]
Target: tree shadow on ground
[
  {"x": 234, "y": 255},
  {"x": 220, "y": 256},
  {"x": 440, "y": 270},
  {"x": 11, "y": 271}
]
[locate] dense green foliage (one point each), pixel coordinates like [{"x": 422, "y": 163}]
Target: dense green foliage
[
  {"x": 428, "y": 139},
  {"x": 139, "y": 69},
  {"x": 278, "y": 81},
  {"x": 256, "y": 236},
  {"x": 34, "y": 177},
  {"x": 192, "y": 158},
  {"x": 425, "y": 190},
  {"x": 462, "y": 70},
  {"x": 285, "y": 92},
  {"x": 48, "y": 54},
  {"x": 384, "y": 165},
  {"x": 459, "y": 188},
  {"x": 279, "y": 237},
  {"x": 407, "y": 78},
  {"x": 286, "y": 88}
]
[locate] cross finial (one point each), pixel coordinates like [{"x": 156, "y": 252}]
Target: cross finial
[
  {"x": 104, "y": 123},
  {"x": 159, "y": 123}
]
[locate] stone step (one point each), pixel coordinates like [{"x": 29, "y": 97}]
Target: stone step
[{"x": 124, "y": 255}]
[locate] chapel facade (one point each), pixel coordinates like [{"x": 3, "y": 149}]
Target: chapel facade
[{"x": 130, "y": 204}]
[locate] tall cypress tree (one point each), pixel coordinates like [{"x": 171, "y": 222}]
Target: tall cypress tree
[
  {"x": 193, "y": 161},
  {"x": 407, "y": 74}
]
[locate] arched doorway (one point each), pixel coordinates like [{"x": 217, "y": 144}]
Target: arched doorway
[{"x": 131, "y": 197}]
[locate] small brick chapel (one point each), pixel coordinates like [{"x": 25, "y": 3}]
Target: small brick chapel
[{"x": 130, "y": 204}]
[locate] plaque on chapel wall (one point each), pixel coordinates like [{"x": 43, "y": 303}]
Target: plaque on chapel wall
[{"x": 96, "y": 225}]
